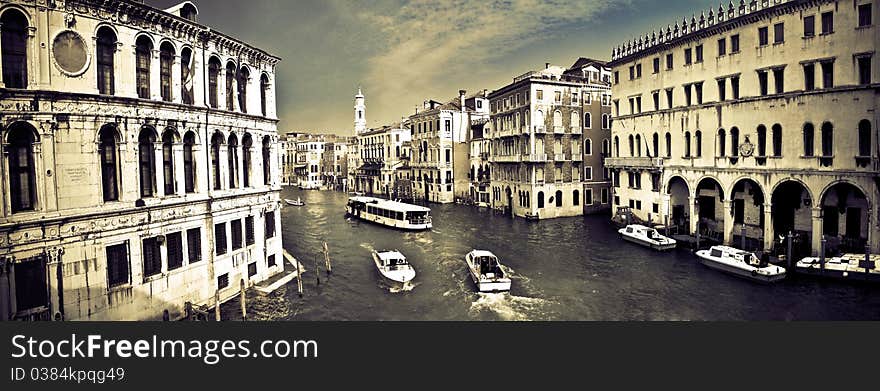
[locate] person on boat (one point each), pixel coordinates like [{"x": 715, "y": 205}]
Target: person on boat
[{"x": 765, "y": 259}]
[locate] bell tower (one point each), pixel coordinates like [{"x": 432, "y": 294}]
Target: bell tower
[{"x": 360, "y": 113}]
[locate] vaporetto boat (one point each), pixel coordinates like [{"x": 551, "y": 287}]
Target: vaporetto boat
[
  {"x": 740, "y": 263},
  {"x": 646, "y": 236},
  {"x": 390, "y": 213}
]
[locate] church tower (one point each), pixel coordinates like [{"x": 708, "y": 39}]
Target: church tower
[{"x": 360, "y": 113}]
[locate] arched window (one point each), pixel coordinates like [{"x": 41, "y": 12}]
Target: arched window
[
  {"x": 734, "y": 141},
  {"x": 865, "y": 138},
  {"x": 632, "y": 146},
  {"x": 639, "y": 145},
  {"x": 616, "y": 146},
  {"x": 809, "y": 140},
  {"x": 827, "y": 140},
  {"x": 722, "y": 143},
  {"x": 588, "y": 148},
  {"x": 146, "y": 162},
  {"x": 105, "y": 56},
  {"x": 264, "y": 89},
  {"x": 655, "y": 144},
  {"x": 216, "y": 142},
  {"x": 539, "y": 118},
  {"x": 604, "y": 121},
  {"x": 109, "y": 165},
  {"x": 22, "y": 170},
  {"x": 267, "y": 168},
  {"x": 575, "y": 119},
  {"x": 540, "y": 199},
  {"x": 187, "y": 76},
  {"x": 606, "y": 148},
  {"x": 232, "y": 156},
  {"x": 777, "y": 140},
  {"x": 166, "y": 61},
  {"x": 557, "y": 118},
  {"x": 189, "y": 164},
  {"x": 687, "y": 144},
  {"x": 168, "y": 139},
  {"x": 698, "y": 142},
  {"x": 576, "y": 198},
  {"x": 243, "y": 78},
  {"x": 213, "y": 82},
  {"x": 230, "y": 86},
  {"x": 558, "y": 198},
  {"x": 668, "y": 144},
  {"x": 588, "y": 121},
  {"x": 13, "y": 48},
  {"x": 143, "y": 53},
  {"x": 762, "y": 140},
  {"x": 246, "y": 144}
]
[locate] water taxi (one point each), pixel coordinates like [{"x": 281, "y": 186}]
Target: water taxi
[
  {"x": 296, "y": 202},
  {"x": 740, "y": 263},
  {"x": 647, "y": 236},
  {"x": 485, "y": 271},
  {"x": 393, "y": 266},
  {"x": 844, "y": 267},
  {"x": 389, "y": 213}
]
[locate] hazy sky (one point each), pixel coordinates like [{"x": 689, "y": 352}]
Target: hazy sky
[{"x": 403, "y": 52}]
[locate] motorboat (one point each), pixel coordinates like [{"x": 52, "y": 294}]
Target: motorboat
[
  {"x": 740, "y": 263},
  {"x": 647, "y": 236},
  {"x": 390, "y": 213},
  {"x": 844, "y": 267},
  {"x": 393, "y": 267},
  {"x": 296, "y": 202},
  {"x": 485, "y": 270}
]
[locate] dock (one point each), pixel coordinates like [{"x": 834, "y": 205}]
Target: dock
[
  {"x": 281, "y": 279},
  {"x": 846, "y": 267}
]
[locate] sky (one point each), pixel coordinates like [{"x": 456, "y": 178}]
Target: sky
[{"x": 403, "y": 52}]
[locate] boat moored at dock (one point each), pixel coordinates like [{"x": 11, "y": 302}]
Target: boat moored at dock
[
  {"x": 740, "y": 263},
  {"x": 390, "y": 213},
  {"x": 845, "y": 267},
  {"x": 485, "y": 270},
  {"x": 647, "y": 236},
  {"x": 393, "y": 267}
]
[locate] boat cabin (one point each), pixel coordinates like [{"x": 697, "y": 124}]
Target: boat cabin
[
  {"x": 488, "y": 265},
  {"x": 739, "y": 255},
  {"x": 392, "y": 260}
]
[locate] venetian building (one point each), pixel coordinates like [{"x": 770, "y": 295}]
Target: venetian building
[
  {"x": 754, "y": 119},
  {"x": 538, "y": 140},
  {"x": 140, "y": 161}
]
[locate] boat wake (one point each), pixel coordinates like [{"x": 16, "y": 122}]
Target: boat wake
[
  {"x": 508, "y": 307},
  {"x": 407, "y": 287}
]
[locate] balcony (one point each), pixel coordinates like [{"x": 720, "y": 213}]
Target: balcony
[
  {"x": 559, "y": 157},
  {"x": 559, "y": 129},
  {"x": 577, "y": 157},
  {"x": 577, "y": 130},
  {"x": 536, "y": 158},
  {"x": 506, "y": 159},
  {"x": 645, "y": 163},
  {"x": 505, "y": 133},
  {"x": 540, "y": 129}
]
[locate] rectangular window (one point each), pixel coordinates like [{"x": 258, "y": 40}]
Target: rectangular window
[
  {"x": 687, "y": 95},
  {"x": 588, "y": 197},
  {"x": 220, "y": 247},
  {"x": 762, "y": 82},
  {"x": 722, "y": 90},
  {"x": 194, "y": 244},
  {"x": 809, "y": 77},
  {"x": 540, "y": 95},
  {"x": 270, "y": 262},
  {"x": 657, "y": 65},
  {"x": 809, "y": 26},
  {"x": 604, "y": 196},
  {"x": 638, "y": 71},
  {"x": 827, "y": 74},
  {"x": 656, "y": 96},
  {"x": 252, "y": 269},
  {"x": 669, "y": 98},
  {"x": 249, "y": 230},
  {"x": 270, "y": 224},
  {"x": 236, "y": 235},
  {"x": 779, "y": 33},
  {"x": 688, "y": 57},
  {"x": 865, "y": 15},
  {"x": 827, "y": 22},
  {"x": 722, "y": 47},
  {"x": 669, "y": 61},
  {"x": 632, "y": 72},
  {"x": 174, "y": 246},
  {"x": 698, "y": 89},
  {"x": 588, "y": 173},
  {"x": 734, "y": 87},
  {"x": 864, "y": 70},
  {"x": 557, "y": 97},
  {"x": 616, "y": 79},
  {"x": 118, "y": 265},
  {"x": 779, "y": 79},
  {"x": 152, "y": 257},
  {"x": 763, "y": 38},
  {"x": 734, "y": 43},
  {"x": 223, "y": 281},
  {"x": 699, "y": 53}
]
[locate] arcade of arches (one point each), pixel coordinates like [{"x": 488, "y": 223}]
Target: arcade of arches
[{"x": 730, "y": 208}]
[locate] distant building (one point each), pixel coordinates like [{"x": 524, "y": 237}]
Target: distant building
[
  {"x": 381, "y": 155},
  {"x": 758, "y": 119}
]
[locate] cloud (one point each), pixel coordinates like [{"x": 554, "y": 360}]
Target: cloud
[{"x": 431, "y": 43}]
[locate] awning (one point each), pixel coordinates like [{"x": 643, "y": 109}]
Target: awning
[{"x": 371, "y": 167}]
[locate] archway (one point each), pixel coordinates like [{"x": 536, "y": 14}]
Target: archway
[
  {"x": 710, "y": 209},
  {"x": 844, "y": 219},
  {"x": 748, "y": 214},
  {"x": 791, "y": 212},
  {"x": 679, "y": 196}
]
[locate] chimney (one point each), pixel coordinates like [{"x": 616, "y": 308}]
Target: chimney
[
  {"x": 461, "y": 94},
  {"x": 546, "y": 65},
  {"x": 485, "y": 93}
]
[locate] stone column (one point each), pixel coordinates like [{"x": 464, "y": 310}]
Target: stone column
[
  {"x": 176, "y": 80},
  {"x": 728, "y": 222},
  {"x": 179, "y": 178},
  {"x": 55, "y": 276},
  {"x": 693, "y": 212},
  {"x": 159, "y": 166},
  {"x": 817, "y": 219},
  {"x": 155, "y": 85},
  {"x": 769, "y": 238}
]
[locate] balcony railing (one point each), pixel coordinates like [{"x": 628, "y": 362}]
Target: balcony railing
[
  {"x": 506, "y": 159},
  {"x": 558, "y": 129},
  {"x": 559, "y": 157},
  {"x": 540, "y": 129},
  {"x": 634, "y": 162},
  {"x": 577, "y": 157},
  {"x": 536, "y": 157},
  {"x": 577, "y": 130}
]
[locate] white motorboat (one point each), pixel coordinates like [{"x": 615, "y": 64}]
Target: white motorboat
[
  {"x": 740, "y": 263},
  {"x": 390, "y": 213},
  {"x": 394, "y": 267},
  {"x": 844, "y": 267},
  {"x": 485, "y": 270},
  {"x": 646, "y": 236},
  {"x": 296, "y": 202}
]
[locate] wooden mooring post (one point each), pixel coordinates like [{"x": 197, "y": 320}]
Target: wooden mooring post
[
  {"x": 822, "y": 253},
  {"x": 243, "y": 300},
  {"x": 327, "y": 258},
  {"x": 317, "y": 275},
  {"x": 217, "y": 305},
  {"x": 789, "y": 253},
  {"x": 743, "y": 237}
]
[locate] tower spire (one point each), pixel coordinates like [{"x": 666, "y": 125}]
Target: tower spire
[{"x": 360, "y": 113}]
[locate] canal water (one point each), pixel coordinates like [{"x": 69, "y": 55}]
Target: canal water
[{"x": 564, "y": 269}]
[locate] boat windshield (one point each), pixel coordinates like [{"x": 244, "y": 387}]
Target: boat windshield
[
  {"x": 489, "y": 265},
  {"x": 394, "y": 262}
]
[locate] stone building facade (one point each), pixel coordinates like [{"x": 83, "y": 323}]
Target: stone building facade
[
  {"x": 128, "y": 188},
  {"x": 382, "y": 153},
  {"x": 755, "y": 119}
]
